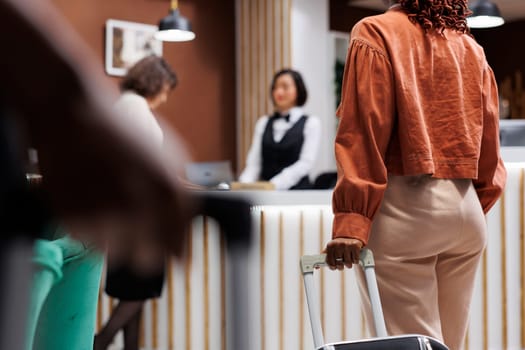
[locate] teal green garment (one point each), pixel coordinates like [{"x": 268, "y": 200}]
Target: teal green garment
[{"x": 64, "y": 295}]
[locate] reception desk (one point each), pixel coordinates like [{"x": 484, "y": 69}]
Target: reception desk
[{"x": 192, "y": 312}]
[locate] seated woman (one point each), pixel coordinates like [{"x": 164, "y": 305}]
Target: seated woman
[{"x": 285, "y": 144}]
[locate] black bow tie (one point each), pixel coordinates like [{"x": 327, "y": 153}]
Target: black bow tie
[{"x": 277, "y": 115}]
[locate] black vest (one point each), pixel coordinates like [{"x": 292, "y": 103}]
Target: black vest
[{"x": 278, "y": 155}]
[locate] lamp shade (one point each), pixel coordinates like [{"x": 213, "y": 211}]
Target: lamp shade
[
  {"x": 485, "y": 14},
  {"x": 174, "y": 27}
]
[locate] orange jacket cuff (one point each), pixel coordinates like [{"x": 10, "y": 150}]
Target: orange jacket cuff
[{"x": 351, "y": 225}]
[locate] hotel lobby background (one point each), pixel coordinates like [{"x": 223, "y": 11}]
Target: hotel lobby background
[
  {"x": 224, "y": 75},
  {"x": 192, "y": 311}
]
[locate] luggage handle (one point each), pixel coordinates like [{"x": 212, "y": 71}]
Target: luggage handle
[{"x": 366, "y": 259}]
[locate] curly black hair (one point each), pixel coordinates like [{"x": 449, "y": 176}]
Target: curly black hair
[{"x": 438, "y": 15}]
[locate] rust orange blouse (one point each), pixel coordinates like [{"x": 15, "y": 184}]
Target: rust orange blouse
[{"x": 412, "y": 103}]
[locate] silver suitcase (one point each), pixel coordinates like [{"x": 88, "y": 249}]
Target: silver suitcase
[{"x": 383, "y": 342}]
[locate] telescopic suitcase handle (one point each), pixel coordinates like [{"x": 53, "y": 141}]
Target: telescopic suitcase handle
[{"x": 366, "y": 259}]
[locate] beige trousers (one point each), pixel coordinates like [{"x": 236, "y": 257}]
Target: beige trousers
[{"x": 427, "y": 239}]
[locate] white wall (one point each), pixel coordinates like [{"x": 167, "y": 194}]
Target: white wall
[{"x": 313, "y": 52}]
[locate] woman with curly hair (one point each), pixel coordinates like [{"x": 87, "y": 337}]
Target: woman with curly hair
[
  {"x": 419, "y": 163},
  {"x": 145, "y": 87}
]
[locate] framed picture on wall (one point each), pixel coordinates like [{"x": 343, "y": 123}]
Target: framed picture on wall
[{"x": 128, "y": 42}]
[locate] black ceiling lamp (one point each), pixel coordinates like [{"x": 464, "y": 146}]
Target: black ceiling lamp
[
  {"x": 485, "y": 14},
  {"x": 174, "y": 27}
]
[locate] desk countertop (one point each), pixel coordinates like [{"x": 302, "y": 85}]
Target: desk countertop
[
  {"x": 278, "y": 198},
  {"x": 514, "y": 157}
]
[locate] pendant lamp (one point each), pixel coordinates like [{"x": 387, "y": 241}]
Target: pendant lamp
[
  {"x": 174, "y": 27},
  {"x": 485, "y": 14}
]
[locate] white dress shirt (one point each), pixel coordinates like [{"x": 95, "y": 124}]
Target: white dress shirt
[{"x": 290, "y": 175}]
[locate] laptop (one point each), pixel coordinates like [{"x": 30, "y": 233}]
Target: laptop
[
  {"x": 512, "y": 132},
  {"x": 217, "y": 175}
]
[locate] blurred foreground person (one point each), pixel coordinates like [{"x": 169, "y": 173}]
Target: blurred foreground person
[
  {"x": 103, "y": 178},
  {"x": 419, "y": 163}
]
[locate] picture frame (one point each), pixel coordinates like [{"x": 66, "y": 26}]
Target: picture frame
[{"x": 128, "y": 42}]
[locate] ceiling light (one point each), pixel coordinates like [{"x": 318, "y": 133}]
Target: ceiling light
[
  {"x": 174, "y": 27},
  {"x": 485, "y": 14}
]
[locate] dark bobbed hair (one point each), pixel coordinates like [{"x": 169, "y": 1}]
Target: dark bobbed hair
[
  {"x": 148, "y": 76},
  {"x": 302, "y": 94},
  {"x": 438, "y": 15}
]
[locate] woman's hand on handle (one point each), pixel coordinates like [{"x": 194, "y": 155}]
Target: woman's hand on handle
[{"x": 342, "y": 252}]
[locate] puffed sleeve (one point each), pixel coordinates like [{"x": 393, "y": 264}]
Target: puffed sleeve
[
  {"x": 491, "y": 171},
  {"x": 366, "y": 116}
]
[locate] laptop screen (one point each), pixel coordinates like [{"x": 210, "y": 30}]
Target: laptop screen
[
  {"x": 512, "y": 132},
  {"x": 209, "y": 174}
]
